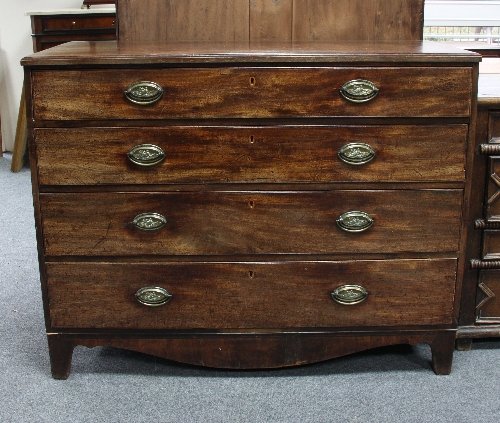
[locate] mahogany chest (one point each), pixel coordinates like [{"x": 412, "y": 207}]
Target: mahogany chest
[{"x": 246, "y": 206}]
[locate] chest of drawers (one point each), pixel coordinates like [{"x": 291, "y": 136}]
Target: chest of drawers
[{"x": 251, "y": 207}]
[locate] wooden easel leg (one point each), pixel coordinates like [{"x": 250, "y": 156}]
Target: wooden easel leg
[
  {"x": 21, "y": 136},
  {"x": 61, "y": 353},
  {"x": 442, "y": 353}
]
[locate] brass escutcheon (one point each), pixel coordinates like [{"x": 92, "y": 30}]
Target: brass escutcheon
[
  {"x": 146, "y": 155},
  {"x": 153, "y": 296},
  {"x": 356, "y": 153},
  {"x": 144, "y": 93},
  {"x": 349, "y": 294},
  {"x": 149, "y": 221},
  {"x": 354, "y": 221},
  {"x": 359, "y": 91}
]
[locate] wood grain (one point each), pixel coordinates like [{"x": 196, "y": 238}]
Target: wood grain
[
  {"x": 252, "y": 93},
  {"x": 183, "y": 20},
  {"x": 227, "y": 20},
  {"x": 251, "y": 222},
  {"x": 271, "y": 20},
  {"x": 251, "y": 295},
  {"x": 111, "y": 53},
  {"x": 281, "y": 154},
  {"x": 341, "y": 20},
  {"x": 249, "y": 351}
]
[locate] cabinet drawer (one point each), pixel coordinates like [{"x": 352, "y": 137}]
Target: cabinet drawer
[
  {"x": 491, "y": 244},
  {"x": 75, "y": 23},
  {"x": 494, "y": 125},
  {"x": 251, "y": 295},
  {"x": 231, "y": 223},
  {"x": 488, "y": 297},
  {"x": 251, "y": 93},
  {"x": 402, "y": 153}
]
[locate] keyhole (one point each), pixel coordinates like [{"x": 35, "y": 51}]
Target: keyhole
[
  {"x": 252, "y": 81},
  {"x": 251, "y": 204},
  {"x": 251, "y": 274},
  {"x": 252, "y": 139}
]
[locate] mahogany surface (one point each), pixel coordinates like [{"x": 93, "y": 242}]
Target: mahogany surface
[
  {"x": 243, "y": 92},
  {"x": 251, "y": 258},
  {"x": 227, "y": 223},
  {"x": 242, "y": 154}
]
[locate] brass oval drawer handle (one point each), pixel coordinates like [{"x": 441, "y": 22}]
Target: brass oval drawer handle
[
  {"x": 146, "y": 155},
  {"x": 153, "y": 296},
  {"x": 144, "y": 93},
  {"x": 354, "y": 221},
  {"x": 359, "y": 91},
  {"x": 149, "y": 221},
  {"x": 349, "y": 294},
  {"x": 356, "y": 153}
]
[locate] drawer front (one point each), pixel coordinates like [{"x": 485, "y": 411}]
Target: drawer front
[
  {"x": 258, "y": 154},
  {"x": 76, "y": 23},
  {"x": 488, "y": 297},
  {"x": 491, "y": 244},
  {"x": 492, "y": 203},
  {"x": 225, "y": 223},
  {"x": 251, "y": 295},
  {"x": 494, "y": 125},
  {"x": 251, "y": 92}
]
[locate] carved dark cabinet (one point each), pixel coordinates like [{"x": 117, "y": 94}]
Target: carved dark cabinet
[{"x": 480, "y": 311}]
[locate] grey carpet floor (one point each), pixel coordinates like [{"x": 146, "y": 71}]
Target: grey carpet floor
[{"x": 393, "y": 384}]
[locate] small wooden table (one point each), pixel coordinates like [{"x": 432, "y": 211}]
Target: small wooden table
[{"x": 51, "y": 28}]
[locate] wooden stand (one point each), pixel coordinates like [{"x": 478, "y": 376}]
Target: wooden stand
[{"x": 21, "y": 136}]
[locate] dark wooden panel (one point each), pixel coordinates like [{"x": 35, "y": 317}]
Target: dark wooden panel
[
  {"x": 375, "y": 20},
  {"x": 251, "y": 222},
  {"x": 494, "y": 124},
  {"x": 271, "y": 20},
  {"x": 251, "y": 295},
  {"x": 227, "y": 20},
  {"x": 491, "y": 244},
  {"x": 251, "y": 154},
  {"x": 252, "y": 92},
  {"x": 183, "y": 20},
  {"x": 488, "y": 297},
  {"x": 492, "y": 200}
]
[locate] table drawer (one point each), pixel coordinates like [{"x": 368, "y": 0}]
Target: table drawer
[
  {"x": 251, "y": 295},
  {"x": 491, "y": 244},
  {"x": 403, "y": 153},
  {"x": 50, "y": 24},
  {"x": 251, "y": 93},
  {"x": 232, "y": 223}
]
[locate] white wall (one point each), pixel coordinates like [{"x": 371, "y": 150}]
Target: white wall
[{"x": 15, "y": 43}]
